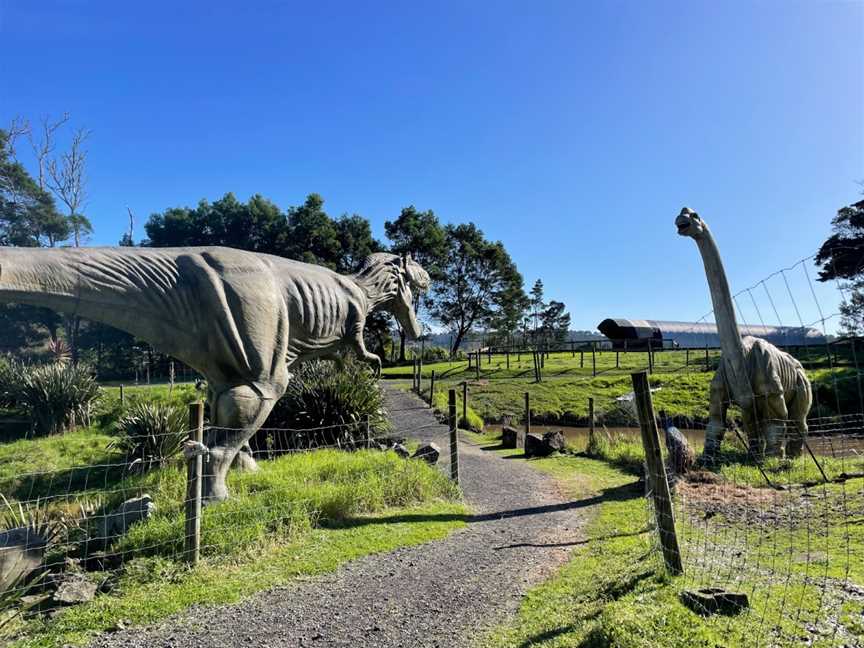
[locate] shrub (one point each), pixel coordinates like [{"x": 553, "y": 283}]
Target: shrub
[
  {"x": 327, "y": 403},
  {"x": 150, "y": 435},
  {"x": 55, "y": 397}
]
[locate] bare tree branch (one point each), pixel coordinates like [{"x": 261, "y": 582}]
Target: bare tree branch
[
  {"x": 18, "y": 127},
  {"x": 68, "y": 181},
  {"x": 44, "y": 146}
]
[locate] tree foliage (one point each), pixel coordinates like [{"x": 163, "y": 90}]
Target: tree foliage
[
  {"x": 841, "y": 257},
  {"x": 481, "y": 282}
]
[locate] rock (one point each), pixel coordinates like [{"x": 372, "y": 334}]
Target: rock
[
  {"x": 429, "y": 453},
  {"x": 400, "y": 450},
  {"x": 75, "y": 588},
  {"x": 534, "y": 446},
  {"x": 554, "y": 441},
  {"x": 128, "y": 513},
  {"x": 21, "y": 552},
  {"x": 714, "y": 600},
  {"x": 509, "y": 437}
]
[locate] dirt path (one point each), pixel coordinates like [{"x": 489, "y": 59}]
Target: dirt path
[{"x": 444, "y": 593}]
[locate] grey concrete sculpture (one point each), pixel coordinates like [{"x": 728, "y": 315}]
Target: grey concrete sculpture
[
  {"x": 769, "y": 385},
  {"x": 240, "y": 318}
]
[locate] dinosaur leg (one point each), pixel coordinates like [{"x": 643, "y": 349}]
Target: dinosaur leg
[
  {"x": 237, "y": 413},
  {"x": 363, "y": 354},
  {"x": 774, "y": 424},
  {"x": 717, "y": 408},
  {"x": 799, "y": 408}
]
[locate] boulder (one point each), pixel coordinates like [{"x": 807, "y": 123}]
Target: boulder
[
  {"x": 128, "y": 513},
  {"x": 400, "y": 450},
  {"x": 534, "y": 446},
  {"x": 21, "y": 552},
  {"x": 554, "y": 441},
  {"x": 509, "y": 437},
  {"x": 74, "y": 588},
  {"x": 429, "y": 453}
]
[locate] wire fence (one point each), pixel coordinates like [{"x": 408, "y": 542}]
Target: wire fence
[{"x": 69, "y": 533}]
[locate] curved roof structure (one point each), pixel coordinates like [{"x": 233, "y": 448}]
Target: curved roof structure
[{"x": 701, "y": 334}]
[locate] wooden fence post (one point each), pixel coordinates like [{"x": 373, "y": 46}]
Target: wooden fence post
[
  {"x": 368, "y": 432},
  {"x": 593, "y": 358},
  {"x": 477, "y": 366},
  {"x": 465, "y": 403},
  {"x": 581, "y": 358},
  {"x": 508, "y": 360},
  {"x": 194, "y": 471},
  {"x": 527, "y": 421},
  {"x": 454, "y": 437},
  {"x": 707, "y": 368},
  {"x": 687, "y": 357},
  {"x": 420, "y": 376},
  {"x": 650, "y": 358},
  {"x": 432, "y": 390},
  {"x": 656, "y": 476},
  {"x": 617, "y": 362},
  {"x": 122, "y": 396},
  {"x": 591, "y": 439}
]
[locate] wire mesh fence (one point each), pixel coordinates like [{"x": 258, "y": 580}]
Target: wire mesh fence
[{"x": 68, "y": 533}]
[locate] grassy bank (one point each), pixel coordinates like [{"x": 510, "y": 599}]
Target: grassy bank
[
  {"x": 612, "y": 592},
  {"x": 294, "y": 516},
  {"x": 562, "y": 396}
]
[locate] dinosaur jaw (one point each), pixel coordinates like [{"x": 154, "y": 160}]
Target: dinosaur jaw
[{"x": 403, "y": 308}]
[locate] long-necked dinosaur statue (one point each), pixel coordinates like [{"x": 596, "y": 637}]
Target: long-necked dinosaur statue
[
  {"x": 767, "y": 384},
  {"x": 241, "y": 319}
]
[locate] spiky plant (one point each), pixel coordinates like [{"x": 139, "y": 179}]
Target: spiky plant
[
  {"x": 329, "y": 403},
  {"x": 55, "y": 397},
  {"x": 150, "y": 435}
]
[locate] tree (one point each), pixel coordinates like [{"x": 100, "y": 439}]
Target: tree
[
  {"x": 554, "y": 322},
  {"x": 537, "y": 305},
  {"x": 67, "y": 179},
  {"x": 420, "y": 234},
  {"x": 482, "y": 281},
  {"x": 841, "y": 258}
]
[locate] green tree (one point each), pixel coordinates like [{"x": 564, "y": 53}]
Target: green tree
[
  {"x": 420, "y": 234},
  {"x": 554, "y": 322},
  {"x": 482, "y": 281},
  {"x": 841, "y": 258}
]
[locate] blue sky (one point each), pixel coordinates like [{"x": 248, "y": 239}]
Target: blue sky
[{"x": 572, "y": 131}]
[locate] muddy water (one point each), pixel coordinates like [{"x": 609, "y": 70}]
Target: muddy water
[{"x": 824, "y": 445}]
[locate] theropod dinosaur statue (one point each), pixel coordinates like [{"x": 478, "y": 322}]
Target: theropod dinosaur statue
[
  {"x": 241, "y": 319},
  {"x": 768, "y": 384}
]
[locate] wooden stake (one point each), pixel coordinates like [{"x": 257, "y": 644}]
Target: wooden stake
[
  {"x": 527, "y": 421},
  {"x": 591, "y": 422},
  {"x": 194, "y": 471},
  {"x": 454, "y": 437},
  {"x": 656, "y": 474},
  {"x": 432, "y": 390},
  {"x": 465, "y": 403}
]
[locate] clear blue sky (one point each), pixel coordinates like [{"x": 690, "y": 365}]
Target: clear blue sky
[{"x": 572, "y": 131}]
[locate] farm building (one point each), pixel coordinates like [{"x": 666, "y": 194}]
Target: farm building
[{"x": 636, "y": 333}]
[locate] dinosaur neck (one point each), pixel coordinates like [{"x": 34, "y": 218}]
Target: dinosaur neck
[{"x": 724, "y": 314}]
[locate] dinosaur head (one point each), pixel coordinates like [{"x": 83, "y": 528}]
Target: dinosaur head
[
  {"x": 689, "y": 224},
  {"x": 411, "y": 277}
]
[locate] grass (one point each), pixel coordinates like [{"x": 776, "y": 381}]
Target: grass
[
  {"x": 298, "y": 515},
  {"x": 562, "y": 396},
  {"x": 613, "y": 591}
]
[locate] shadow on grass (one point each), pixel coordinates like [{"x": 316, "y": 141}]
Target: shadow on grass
[
  {"x": 617, "y": 493},
  {"x": 68, "y": 481}
]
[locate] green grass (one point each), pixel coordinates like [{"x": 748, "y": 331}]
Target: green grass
[
  {"x": 562, "y": 396},
  {"x": 613, "y": 591},
  {"x": 299, "y": 514}
]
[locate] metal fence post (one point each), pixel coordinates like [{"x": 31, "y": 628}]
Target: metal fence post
[
  {"x": 656, "y": 476},
  {"x": 454, "y": 436},
  {"x": 193, "y": 486}
]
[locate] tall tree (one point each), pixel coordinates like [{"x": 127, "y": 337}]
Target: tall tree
[
  {"x": 420, "y": 234},
  {"x": 554, "y": 322},
  {"x": 537, "y": 304},
  {"x": 841, "y": 257},
  {"x": 482, "y": 281}
]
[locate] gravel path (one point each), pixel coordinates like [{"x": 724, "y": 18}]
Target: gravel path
[{"x": 444, "y": 593}]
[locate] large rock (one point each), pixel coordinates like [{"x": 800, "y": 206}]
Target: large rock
[
  {"x": 400, "y": 450},
  {"x": 429, "y": 453},
  {"x": 75, "y": 588},
  {"x": 534, "y": 446},
  {"x": 554, "y": 440},
  {"x": 133, "y": 510},
  {"x": 537, "y": 446},
  {"x": 509, "y": 437},
  {"x": 21, "y": 552}
]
